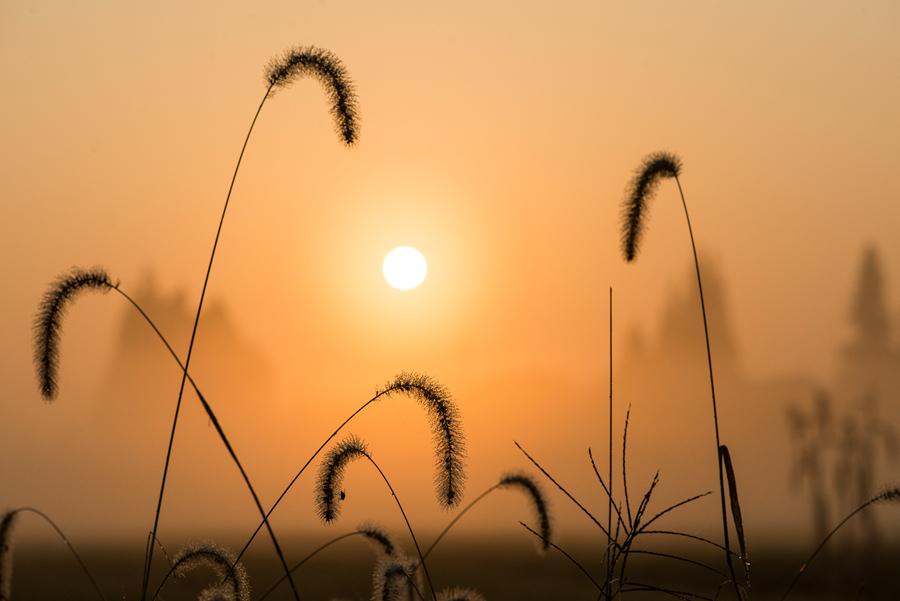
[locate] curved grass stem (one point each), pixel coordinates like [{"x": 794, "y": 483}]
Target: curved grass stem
[
  {"x": 187, "y": 362},
  {"x": 65, "y": 541},
  {"x": 712, "y": 388}
]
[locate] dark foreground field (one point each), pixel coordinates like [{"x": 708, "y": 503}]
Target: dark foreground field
[{"x": 499, "y": 570}]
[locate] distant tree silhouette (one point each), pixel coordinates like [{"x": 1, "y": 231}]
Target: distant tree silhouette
[
  {"x": 869, "y": 362},
  {"x": 869, "y": 313}
]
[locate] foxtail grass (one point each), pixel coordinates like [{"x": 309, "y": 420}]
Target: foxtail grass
[
  {"x": 330, "y": 483},
  {"x": 888, "y": 495},
  {"x": 47, "y": 331},
  {"x": 280, "y": 73},
  {"x": 47, "y": 326},
  {"x": 232, "y": 583},
  {"x": 391, "y": 577},
  {"x": 449, "y": 443},
  {"x": 655, "y": 168},
  {"x": 7, "y": 524}
]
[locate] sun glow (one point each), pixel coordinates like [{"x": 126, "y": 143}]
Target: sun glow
[{"x": 404, "y": 268}]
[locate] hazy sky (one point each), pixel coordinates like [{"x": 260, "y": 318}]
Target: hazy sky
[{"x": 496, "y": 137}]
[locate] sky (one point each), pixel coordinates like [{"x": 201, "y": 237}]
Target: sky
[{"x": 498, "y": 139}]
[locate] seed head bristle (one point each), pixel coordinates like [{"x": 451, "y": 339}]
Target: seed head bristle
[
  {"x": 655, "y": 167},
  {"x": 47, "y": 325},
  {"x": 390, "y": 578},
  {"x": 303, "y": 61},
  {"x": 530, "y": 487},
  {"x": 460, "y": 594},
  {"x": 232, "y": 583},
  {"x": 889, "y": 495},
  {"x": 331, "y": 475},
  {"x": 449, "y": 443},
  {"x": 380, "y": 540},
  {"x": 6, "y": 528}
]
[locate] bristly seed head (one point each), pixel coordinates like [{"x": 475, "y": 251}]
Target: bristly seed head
[
  {"x": 531, "y": 488},
  {"x": 655, "y": 167},
  {"x": 390, "y": 577},
  {"x": 889, "y": 495},
  {"x": 328, "y": 69},
  {"x": 331, "y": 475},
  {"x": 236, "y": 586},
  {"x": 459, "y": 594},
  {"x": 48, "y": 321},
  {"x": 379, "y": 539},
  {"x": 449, "y": 444}
]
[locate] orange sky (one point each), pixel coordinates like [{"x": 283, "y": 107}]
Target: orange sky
[{"x": 497, "y": 139}]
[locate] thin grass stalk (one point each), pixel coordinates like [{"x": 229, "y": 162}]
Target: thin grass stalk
[
  {"x": 565, "y": 554},
  {"x": 187, "y": 363},
  {"x": 624, "y": 471},
  {"x": 409, "y": 527},
  {"x": 310, "y": 556},
  {"x": 279, "y": 73},
  {"x": 891, "y": 495},
  {"x": 399, "y": 384},
  {"x": 212, "y": 417},
  {"x": 609, "y": 491},
  {"x": 712, "y": 389},
  {"x": 689, "y": 536},
  {"x": 6, "y": 550},
  {"x": 672, "y": 508},
  {"x": 655, "y": 168},
  {"x": 509, "y": 480},
  {"x": 330, "y": 481},
  {"x": 564, "y": 491},
  {"x": 606, "y": 490},
  {"x": 218, "y": 559},
  {"x": 693, "y": 562},
  {"x": 458, "y": 517}
]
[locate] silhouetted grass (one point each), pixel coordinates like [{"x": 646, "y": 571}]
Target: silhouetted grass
[
  {"x": 330, "y": 478},
  {"x": 47, "y": 332},
  {"x": 656, "y": 167},
  {"x": 889, "y": 495},
  {"x": 449, "y": 443},
  {"x": 7, "y": 524},
  {"x": 279, "y": 74},
  {"x": 232, "y": 584}
]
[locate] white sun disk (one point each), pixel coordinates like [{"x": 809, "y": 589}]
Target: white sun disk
[{"x": 404, "y": 268}]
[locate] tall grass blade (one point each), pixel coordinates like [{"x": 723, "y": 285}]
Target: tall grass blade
[{"x": 736, "y": 512}]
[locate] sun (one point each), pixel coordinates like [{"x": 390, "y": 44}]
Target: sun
[{"x": 405, "y": 268}]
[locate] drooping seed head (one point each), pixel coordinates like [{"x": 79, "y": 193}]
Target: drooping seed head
[
  {"x": 391, "y": 578},
  {"x": 449, "y": 444},
  {"x": 232, "y": 584},
  {"x": 460, "y": 594},
  {"x": 379, "y": 539},
  {"x": 6, "y": 528},
  {"x": 530, "y": 487},
  {"x": 331, "y": 476},
  {"x": 47, "y": 325},
  {"x": 889, "y": 495},
  {"x": 654, "y": 168},
  {"x": 304, "y": 61}
]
